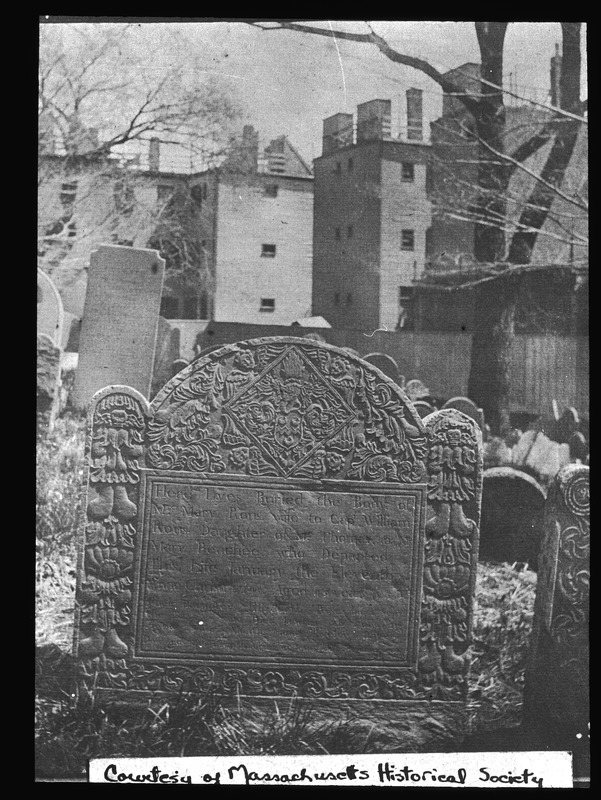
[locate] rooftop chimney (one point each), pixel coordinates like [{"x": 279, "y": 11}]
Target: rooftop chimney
[
  {"x": 556, "y": 78},
  {"x": 337, "y": 132},
  {"x": 415, "y": 131},
  {"x": 154, "y": 155},
  {"x": 373, "y": 120}
]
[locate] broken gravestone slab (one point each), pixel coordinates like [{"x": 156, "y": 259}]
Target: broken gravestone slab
[
  {"x": 278, "y": 523},
  {"x": 512, "y": 517},
  {"x": 121, "y": 315},
  {"x": 556, "y": 696}
]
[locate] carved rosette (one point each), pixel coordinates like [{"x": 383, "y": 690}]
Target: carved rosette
[
  {"x": 451, "y": 551},
  {"x": 114, "y": 456}
]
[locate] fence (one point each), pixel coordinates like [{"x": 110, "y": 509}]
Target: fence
[{"x": 543, "y": 366}]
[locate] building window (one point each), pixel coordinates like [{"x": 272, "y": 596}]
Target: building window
[
  {"x": 349, "y": 232},
  {"x": 164, "y": 192},
  {"x": 196, "y": 194},
  {"x": 350, "y": 165},
  {"x": 336, "y": 298},
  {"x": 268, "y": 250},
  {"x": 204, "y": 305},
  {"x": 204, "y": 191},
  {"x": 349, "y": 299},
  {"x": 271, "y": 190},
  {"x": 337, "y": 233},
  {"x": 68, "y": 192},
  {"x": 407, "y": 172},
  {"x": 124, "y": 198},
  {"x": 405, "y": 295},
  {"x": 267, "y": 304},
  {"x": 169, "y": 307},
  {"x": 407, "y": 239},
  {"x": 338, "y": 168}
]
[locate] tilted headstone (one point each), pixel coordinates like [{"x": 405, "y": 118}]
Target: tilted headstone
[
  {"x": 467, "y": 406},
  {"x": 278, "y": 522},
  {"x": 540, "y": 454},
  {"x": 385, "y": 363},
  {"x": 119, "y": 326},
  {"x": 166, "y": 352},
  {"x": 511, "y": 527},
  {"x": 556, "y": 695},
  {"x": 48, "y": 383},
  {"x": 416, "y": 390},
  {"x": 50, "y": 316},
  {"x": 566, "y": 425},
  {"x": 579, "y": 448}
]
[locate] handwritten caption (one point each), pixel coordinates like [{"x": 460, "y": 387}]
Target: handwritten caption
[{"x": 536, "y": 770}]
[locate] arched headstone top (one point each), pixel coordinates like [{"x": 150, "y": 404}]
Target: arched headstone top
[
  {"x": 385, "y": 363},
  {"x": 288, "y": 407},
  {"x": 509, "y": 473}
]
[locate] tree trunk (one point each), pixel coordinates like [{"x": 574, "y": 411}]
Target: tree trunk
[{"x": 489, "y": 379}]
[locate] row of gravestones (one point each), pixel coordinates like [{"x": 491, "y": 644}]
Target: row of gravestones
[
  {"x": 279, "y": 522},
  {"x": 569, "y": 428}
]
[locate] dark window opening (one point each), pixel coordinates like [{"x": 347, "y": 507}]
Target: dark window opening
[
  {"x": 204, "y": 306},
  {"x": 349, "y": 232},
  {"x": 336, "y": 297},
  {"x": 350, "y": 165},
  {"x": 349, "y": 299},
  {"x": 164, "y": 192},
  {"x": 68, "y": 193},
  {"x": 271, "y": 190},
  {"x": 124, "y": 198},
  {"x": 268, "y": 250},
  {"x": 405, "y": 294},
  {"x": 169, "y": 307},
  {"x": 338, "y": 168},
  {"x": 407, "y": 239},
  {"x": 196, "y": 194},
  {"x": 337, "y": 233},
  {"x": 408, "y": 172},
  {"x": 267, "y": 304}
]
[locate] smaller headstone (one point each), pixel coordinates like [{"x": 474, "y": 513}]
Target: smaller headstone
[
  {"x": 556, "y": 695},
  {"x": 468, "y": 407},
  {"x": 50, "y": 309},
  {"x": 567, "y": 424},
  {"x": 316, "y": 337},
  {"x": 512, "y": 517},
  {"x": 48, "y": 383},
  {"x": 416, "y": 390},
  {"x": 579, "y": 448},
  {"x": 401, "y": 382},
  {"x": 385, "y": 364},
  {"x": 496, "y": 453},
  {"x": 423, "y": 408},
  {"x": 541, "y": 455}
]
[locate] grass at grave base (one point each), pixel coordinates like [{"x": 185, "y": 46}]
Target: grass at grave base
[{"x": 69, "y": 732}]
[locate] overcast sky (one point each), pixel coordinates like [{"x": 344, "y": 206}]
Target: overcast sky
[{"x": 288, "y": 82}]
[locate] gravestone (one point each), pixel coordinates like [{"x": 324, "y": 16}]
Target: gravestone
[
  {"x": 385, "y": 363},
  {"x": 579, "y": 448},
  {"x": 541, "y": 455},
  {"x": 556, "y": 695},
  {"x": 278, "y": 522},
  {"x": 467, "y": 406},
  {"x": 416, "y": 389},
  {"x": 50, "y": 309},
  {"x": 178, "y": 365},
  {"x": 566, "y": 425},
  {"x": 48, "y": 383},
  {"x": 119, "y": 326},
  {"x": 511, "y": 527}
]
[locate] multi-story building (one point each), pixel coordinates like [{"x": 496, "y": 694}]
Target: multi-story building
[
  {"x": 371, "y": 215},
  {"x": 237, "y": 239}
]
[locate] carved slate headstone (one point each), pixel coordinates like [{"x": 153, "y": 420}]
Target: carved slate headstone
[
  {"x": 467, "y": 406},
  {"x": 50, "y": 314},
  {"x": 48, "y": 383},
  {"x": 513, "y": 504},
  {"x": 278, "y": 522},
  {"x": 385, "y": 363},
  {"x": 556, "y": 696},
  {"x": 120, "y": 320}
]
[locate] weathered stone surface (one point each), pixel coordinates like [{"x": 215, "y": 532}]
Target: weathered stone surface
[
  {"x": 119, "y": 326},
  {"x": 556, "y": 697},
  {"x": 512, "y": 516},
  {"x": 278, "y": 522},
  {"x": 385, "y": 363},
  {"x": 467, "y": 406},
  {"x": 48, "y": 383},
  {"x": 50, "y": 309}
]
